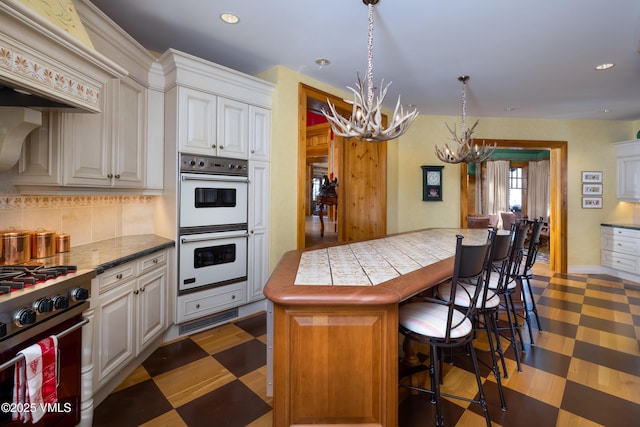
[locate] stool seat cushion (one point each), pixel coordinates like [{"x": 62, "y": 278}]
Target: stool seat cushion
[
  {"x": 493, "y": 282},
  {"x": 464, "y": 293},
  {"x": 430, "y": 320}
]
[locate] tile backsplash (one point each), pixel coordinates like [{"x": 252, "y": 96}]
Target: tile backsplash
[{"x": 86, "y": 218}]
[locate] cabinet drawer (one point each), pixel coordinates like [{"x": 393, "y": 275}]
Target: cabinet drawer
[
  {"x": 115, "y": 277},
  {"x": 621, "y": 232},
  {"x": 620, "y": 261},
  {"x": 152, "y": 261},
  {"x": 203, "y": 303}
]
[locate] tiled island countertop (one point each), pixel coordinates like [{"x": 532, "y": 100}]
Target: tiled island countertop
[
  {"x": 378, "y": 271},
  {"x": 103, "y": 255}
]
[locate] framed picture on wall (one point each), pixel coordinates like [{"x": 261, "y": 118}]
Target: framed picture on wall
[
  {"x": 432, "y": 183},
  {"x": 592, "y": 203},
  {"x": 592, "y": 189},
  {"x": 592, "y": 176}
]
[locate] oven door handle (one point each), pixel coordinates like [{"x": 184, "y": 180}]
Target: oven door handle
[
  {"x": 204, "y": 239},
  {"x": 67, "y": 331},
  {"x": 217, "y": 178}
]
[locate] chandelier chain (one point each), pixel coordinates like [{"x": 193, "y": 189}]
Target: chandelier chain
[{"x": 370, "y": 59}]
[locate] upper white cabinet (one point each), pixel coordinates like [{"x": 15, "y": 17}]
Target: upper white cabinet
[
  {"x": 212, "y": 125},
  {"x": 259, "y": 133},
  {"x": 628, "y": 154},
  {"x": 107, "y": 149}
]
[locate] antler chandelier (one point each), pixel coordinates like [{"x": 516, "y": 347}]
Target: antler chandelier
[
  {"x": 365, "y": 122},
  {"x": 466, "y": 151}
]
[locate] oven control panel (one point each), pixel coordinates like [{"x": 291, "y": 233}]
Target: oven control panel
[{"x": 213, "y": 165}]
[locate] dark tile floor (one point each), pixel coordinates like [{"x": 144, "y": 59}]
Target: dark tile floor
[{"x": 583, "y": 371}]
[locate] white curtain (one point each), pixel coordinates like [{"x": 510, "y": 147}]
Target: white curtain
[
  {"x": 497, "y": 187},
  {"x": 538, "y": 190}
]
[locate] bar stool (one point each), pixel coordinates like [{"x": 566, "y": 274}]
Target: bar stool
[
  {"x": 486, "y": 306},
  {"x": 439, "y": 324},
  {"x": 503, "y": 280},
  {"x": 525, "y": 275}
]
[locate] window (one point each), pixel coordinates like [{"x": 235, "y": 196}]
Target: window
[{"x": 518, "y": 187}]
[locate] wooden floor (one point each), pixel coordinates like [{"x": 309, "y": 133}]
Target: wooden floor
[{"x": 584, "y": 370}]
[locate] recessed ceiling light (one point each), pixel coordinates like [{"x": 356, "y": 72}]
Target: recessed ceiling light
[
  {"x": 508, "y": 109},
  {"x": 229, "y": 18},
  {"x": 322, "y": 62},
  {"x": 606, "y": 110},
  {"x": 604, "y": 66}
]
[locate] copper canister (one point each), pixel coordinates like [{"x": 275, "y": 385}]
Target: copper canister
[
  {"x": 42, "y": 244},
  {"x": 15, "y": 247},
  {"x": 63, "y": 242}
]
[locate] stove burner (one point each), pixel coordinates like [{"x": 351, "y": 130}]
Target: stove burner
[{"x": 14, "y": 277}]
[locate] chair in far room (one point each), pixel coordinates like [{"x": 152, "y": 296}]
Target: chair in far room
[
  {"x": 441, "y": 325},
  {"x": 477, "y": 221}
]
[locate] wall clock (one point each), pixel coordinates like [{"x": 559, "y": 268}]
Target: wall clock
[{"x": 432, "y": 183}]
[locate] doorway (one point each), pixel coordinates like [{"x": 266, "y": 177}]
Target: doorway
[
  {"x": 360, "y": 168},
  {"x": 557, "y": 195}
]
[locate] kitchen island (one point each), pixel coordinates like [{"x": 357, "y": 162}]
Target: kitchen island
[{"x": 335, "y": 324}]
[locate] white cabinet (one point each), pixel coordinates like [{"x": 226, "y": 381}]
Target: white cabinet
[
  {"x": 196, "y": 121},
  {"x": 258, "y": 248},
  {"x": 131, "y": 312},
  {"x": 104, "y": 150},
  {"x": 259, "y": 134},
  {"x": 107, "y": 149},
  {"x": 628, "y": 156},
  {"x": 620, "y": 249},
  {"x": 233, "y": 128},
  {"x": 212, "y": 125}
]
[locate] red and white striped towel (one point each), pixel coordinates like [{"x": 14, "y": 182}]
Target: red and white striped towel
[{"x": 35, "y": 380}]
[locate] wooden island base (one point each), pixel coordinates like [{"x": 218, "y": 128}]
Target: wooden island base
[{"x": 335, "y": 347}]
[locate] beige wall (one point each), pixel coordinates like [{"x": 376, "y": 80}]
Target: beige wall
[{"x": 590, "y": 148}]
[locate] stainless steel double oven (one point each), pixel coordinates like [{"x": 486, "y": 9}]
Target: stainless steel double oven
[{"x": 212, "y": 222}]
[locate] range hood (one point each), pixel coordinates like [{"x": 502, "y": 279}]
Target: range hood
[{"x": 43, "y": 67}]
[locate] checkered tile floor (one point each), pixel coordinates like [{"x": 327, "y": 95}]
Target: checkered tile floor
[{"x": 584, "y": 370}]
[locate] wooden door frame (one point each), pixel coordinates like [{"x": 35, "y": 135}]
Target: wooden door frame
[
  {"x": 318, "y": 98},
  {"x": 558, "y": 195}
]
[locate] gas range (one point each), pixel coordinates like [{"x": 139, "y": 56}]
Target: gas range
[{"x": 34, "y": 296}]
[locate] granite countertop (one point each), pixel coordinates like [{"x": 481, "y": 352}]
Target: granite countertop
[
  {"x": 620, "y": 225},
  {"x": 103, "y": 255}
]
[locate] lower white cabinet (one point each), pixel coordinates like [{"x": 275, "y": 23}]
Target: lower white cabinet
[
  {"x": 620, "y": 249},
  {"x": 131, "y": 312}
]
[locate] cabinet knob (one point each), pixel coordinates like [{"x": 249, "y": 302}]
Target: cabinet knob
[
  {"x": 197, "y": 305},
  {"x": 142, "y": 289},
  {"x": 253, "y": 151},
  {"x": 135, "y": 292},
  {"x": 221, "y": 147},
  {"x": 117, "y": 176},
  {"x": 213, "y": 146},
  {"x": 119, "y": 276},
  {"x": 155, "y": 260},
  {"x": 110, "y": 176},
  {"x": 233, "y": 297}
]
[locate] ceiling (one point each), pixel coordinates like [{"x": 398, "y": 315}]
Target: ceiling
[{"x": 524, "y": 58}]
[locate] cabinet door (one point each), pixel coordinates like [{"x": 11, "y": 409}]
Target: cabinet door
[
  {"x": 129, "y": 136},
  {"x": 258, "y": 250},
  {"x": 259, "y": 133},
  {"x": 87, "y": 145},
  {"x": 629, "y": 178},
  {"x": 196, "y": 122},
  {"x": 151, "y": 306},
  {"x": 115, "y": 344},
  {"x": 233, "y": 129}
]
